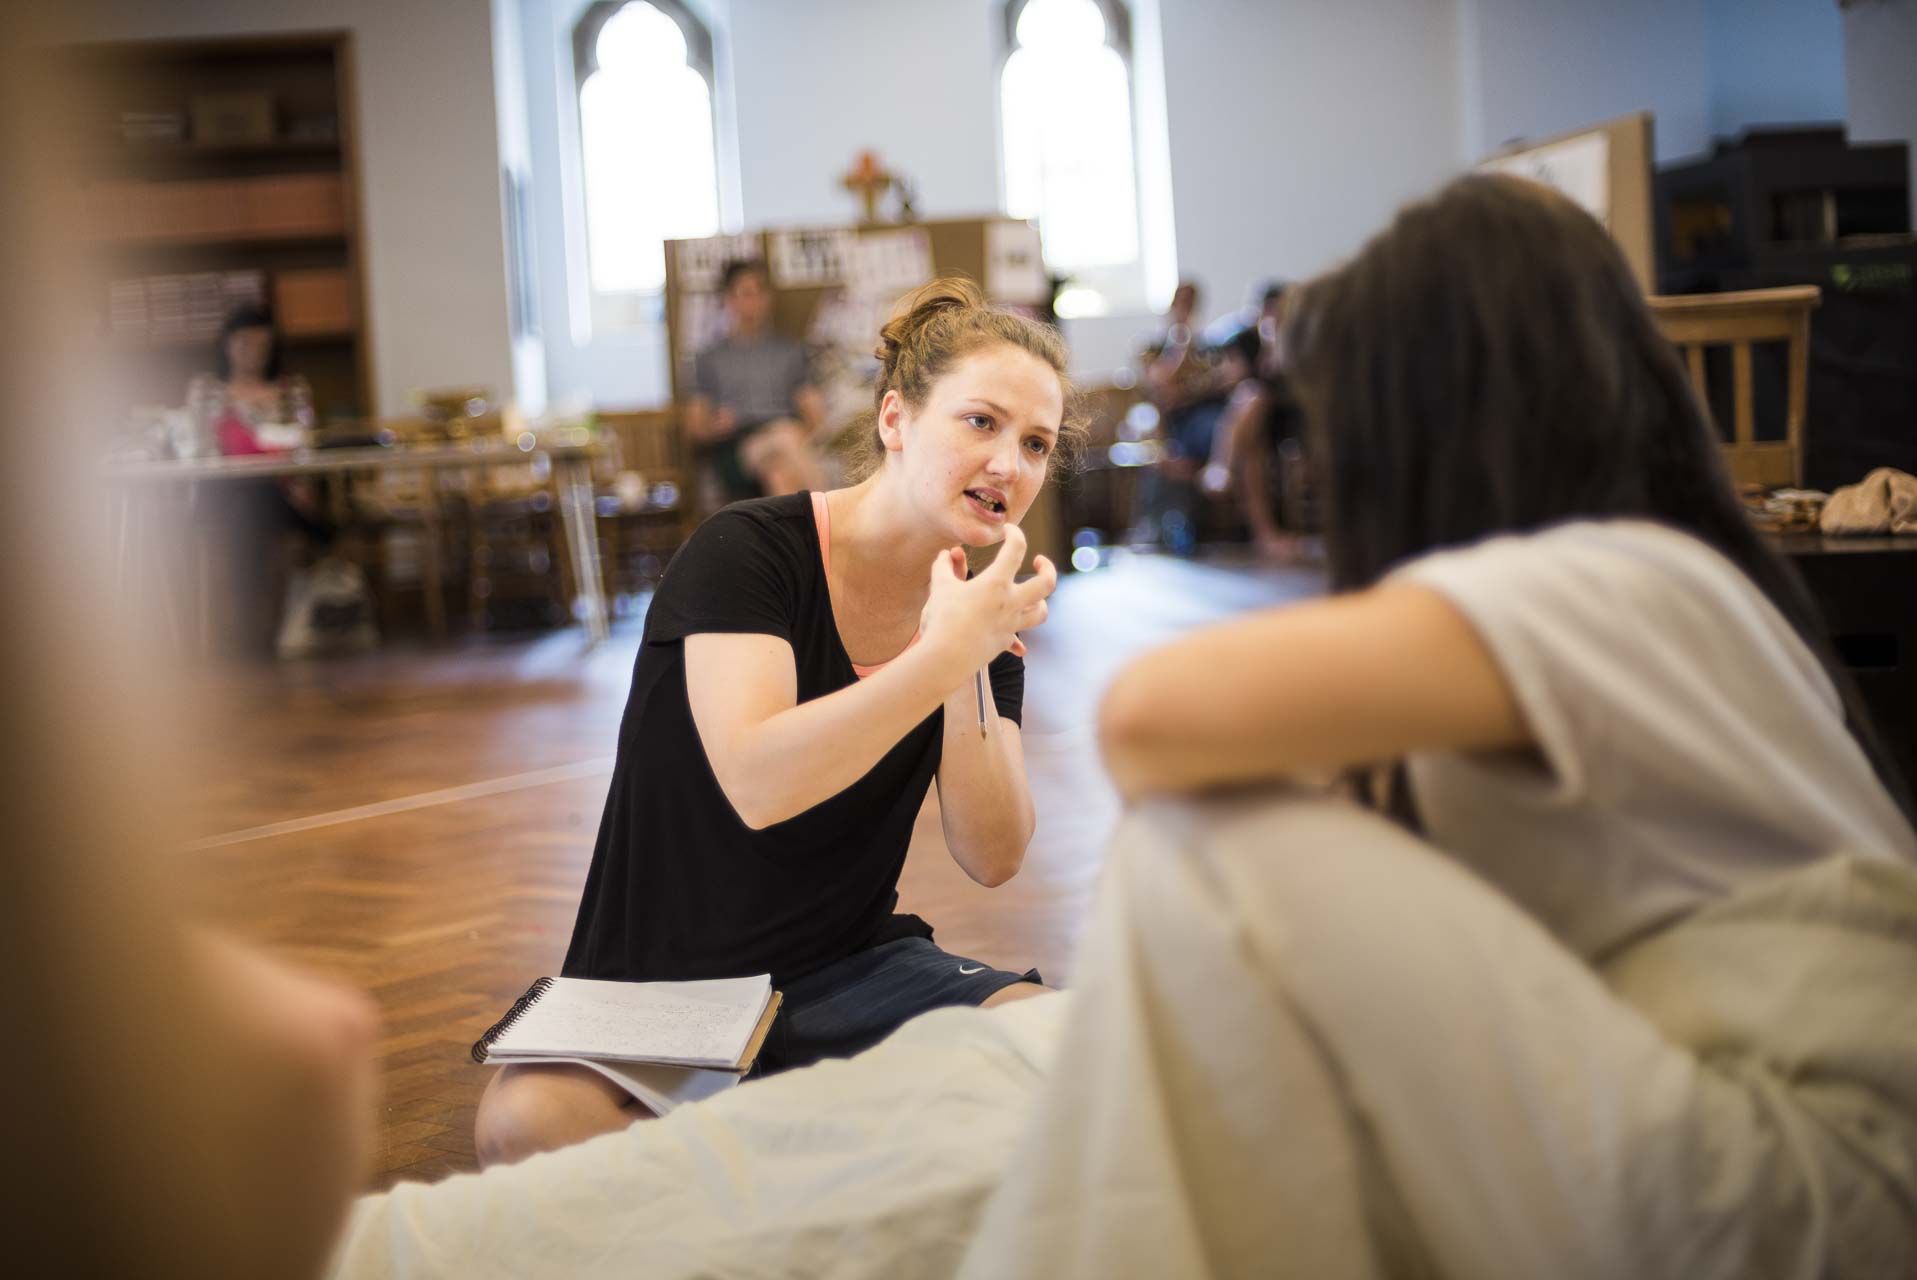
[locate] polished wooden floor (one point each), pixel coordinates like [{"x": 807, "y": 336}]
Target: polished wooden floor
[{"x": 419, "y": 822}]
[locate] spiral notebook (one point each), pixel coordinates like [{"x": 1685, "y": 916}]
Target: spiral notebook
[{"x": 666, "y": 1043}]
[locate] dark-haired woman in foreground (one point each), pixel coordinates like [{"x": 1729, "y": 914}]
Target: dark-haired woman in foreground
[{"x": 1631, "y": 994}]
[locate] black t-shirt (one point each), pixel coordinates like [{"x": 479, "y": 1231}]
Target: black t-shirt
[{"x": 680, "y": 887}]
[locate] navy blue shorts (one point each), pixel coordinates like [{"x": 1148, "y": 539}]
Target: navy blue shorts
[{"x": 852, "y": 1004}]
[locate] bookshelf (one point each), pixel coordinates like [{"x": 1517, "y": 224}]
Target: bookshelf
[{"x": 217, "y": 172}]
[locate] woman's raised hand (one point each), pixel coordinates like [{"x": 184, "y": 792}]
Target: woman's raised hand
[{"x": 977, "y": 619}]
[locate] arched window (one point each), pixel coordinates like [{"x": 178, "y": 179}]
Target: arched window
[
  {"x": 645, "y": 137},
  {"x": 1066, "y": 126}
]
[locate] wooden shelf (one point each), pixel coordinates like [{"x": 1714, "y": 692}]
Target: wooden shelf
[
  {"x": 160, "y": 242},
  {"x": 217, "y": 159},
  {"x": 117, "y": 151},
  {"x": 286, "y": 206},
  {"x": 171, "y": 151},
  {"x": 297, "y": 206},
  {"x": 174, "y": 342}
]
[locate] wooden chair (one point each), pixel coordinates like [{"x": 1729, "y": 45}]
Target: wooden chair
[
  {"x": 638, "y": 538},
  {"x": 399, "y": 518},
  {"x": 515, "y": 549},
  {"x": 1695, "y": 321}
]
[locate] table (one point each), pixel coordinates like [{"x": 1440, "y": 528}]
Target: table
[
  {"x": 567, "y": 456},
  {"x": 1866, "y": 589}
]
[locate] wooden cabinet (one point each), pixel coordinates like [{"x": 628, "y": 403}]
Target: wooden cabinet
[
  {"x": 213, "y": 210},
  {"x": 314, "y": 303},
  {"x": 222, "y": 172}
]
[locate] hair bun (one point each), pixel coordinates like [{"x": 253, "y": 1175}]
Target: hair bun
[{"x": 921, "y": 307}]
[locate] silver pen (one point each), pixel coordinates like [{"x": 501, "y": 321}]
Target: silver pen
[{"x": 978, "y": 685}]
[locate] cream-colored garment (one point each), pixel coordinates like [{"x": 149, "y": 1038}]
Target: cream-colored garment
[
  {"x": 875, "y": 1166},
  {"x": 1885, "y": 501},
  {"x": 1308, "y": 1044},
  {"x": 1305, "y": 1044},
  {"x": 1689, "y": 744},
  {"x": 1810, "y": 980}
]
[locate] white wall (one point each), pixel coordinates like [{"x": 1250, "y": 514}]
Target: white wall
[
  {"x": 1297, "y": 127},
  {"x": 615, "y": 370},
  {"x": 1774, "y": 62},
  {"x": 435, "y": 265},
  {"x": 515, "y": 154},
  {"x": 1880, "y": 73},
  {"x": 1538, "y": 67},
  {"x": 819, "y": 82}
]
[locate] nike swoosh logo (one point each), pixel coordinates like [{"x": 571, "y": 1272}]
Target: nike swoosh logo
[{"x": 974, "y": 969}]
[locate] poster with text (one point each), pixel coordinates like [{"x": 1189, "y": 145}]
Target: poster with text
[
  {"x": 1014, "y": 267},
  {"x": 810, "y": 258},
  {"x": 1577, "y": 167},
  {"x": 884, "y": 264},
  {"x": 701, "y": 263}
]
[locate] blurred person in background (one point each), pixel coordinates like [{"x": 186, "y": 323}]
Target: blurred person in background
[
  {"x": 1190, "y": 382},
  {"x": 248, "y": 390},
  {"x": 755, "y": 417},
  {"x": 1260, "y": 416},
  {"x": 249, "y": 405}
]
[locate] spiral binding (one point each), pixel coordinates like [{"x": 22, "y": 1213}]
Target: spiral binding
[{"x": 484, "y": 1044}]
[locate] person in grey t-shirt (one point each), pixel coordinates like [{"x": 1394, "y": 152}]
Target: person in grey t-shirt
[{"x": 754, "y": 412}]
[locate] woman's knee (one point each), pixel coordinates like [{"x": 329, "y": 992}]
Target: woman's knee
[
  {"x": 1339, "y": 904},
  {"x": 512, "y": 1114},
  {"x": 1280, "y": 861},
  {"x": 529, "y": 1109},
  {"x": 1272, "y": 825}
]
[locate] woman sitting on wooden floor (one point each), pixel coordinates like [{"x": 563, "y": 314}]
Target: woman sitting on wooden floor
[{"x": 813, "y": 664}]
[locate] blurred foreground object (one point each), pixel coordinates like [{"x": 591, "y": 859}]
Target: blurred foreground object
[
  {"x": 1885, "y": 501},
  {"x": 186, "y": 1108}
]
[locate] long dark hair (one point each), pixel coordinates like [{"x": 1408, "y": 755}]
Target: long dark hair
[
  {"x": 1488, "y": 365},
  {"x": 247, "y": 315}
]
